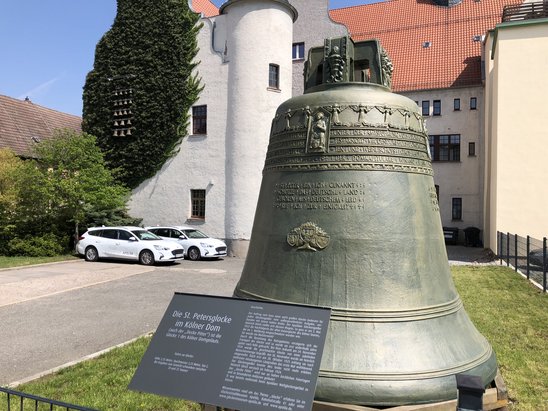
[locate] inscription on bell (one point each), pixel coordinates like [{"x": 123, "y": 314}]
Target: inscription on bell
[{"x": 320, "y": 196}]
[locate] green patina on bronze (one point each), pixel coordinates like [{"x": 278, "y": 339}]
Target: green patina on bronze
[{"x": 348, "y": 218}]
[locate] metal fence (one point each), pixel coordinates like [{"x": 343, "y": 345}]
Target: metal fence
[
  {"x": 17, "y": 400},
  {"x": 527, "y": 255}
]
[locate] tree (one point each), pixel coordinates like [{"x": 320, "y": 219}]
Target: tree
[
  {"x": 143, "y": 72},
  {"x": 9, "y": 164},
  {"x": 73, "y": 180}
]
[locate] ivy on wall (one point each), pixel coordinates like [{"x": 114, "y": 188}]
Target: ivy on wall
[{"x": 143, "y": 75}]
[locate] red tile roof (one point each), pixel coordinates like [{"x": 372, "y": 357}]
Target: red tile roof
[
  {"x": 207, "y": 8},
  {"x": 403, "y": 26},
  {"x": 23, "y": 122}
]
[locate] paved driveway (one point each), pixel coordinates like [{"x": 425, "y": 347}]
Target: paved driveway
[{"x": 54, "y": 314}]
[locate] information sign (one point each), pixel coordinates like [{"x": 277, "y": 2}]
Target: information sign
[{"x": 239, "y": 354}]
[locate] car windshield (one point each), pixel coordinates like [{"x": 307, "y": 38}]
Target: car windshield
[
  {"x": 145, "y": 235},
  {"x": 194, "y": 234}
]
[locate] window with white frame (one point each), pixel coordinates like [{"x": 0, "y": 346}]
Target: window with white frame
[
  {"x": 425, "y": 107},
  {"x": 199, "y": 119},
  {"x": 436, "y": 108},
  {"x": 473, "y": 103},
  {"x": 273, "y": 76},
  {"x": 297, "y": 52}
]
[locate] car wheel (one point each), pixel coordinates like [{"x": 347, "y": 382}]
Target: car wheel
[
  {"x": 146, "y": 257},
  {"x": 91, "y": 254},
  {"x": 193, "y": 253}
]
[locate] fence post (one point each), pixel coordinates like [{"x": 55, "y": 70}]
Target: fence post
[
  {"x": 499, "y": 246},
  {"x": 528, "y": 250},
  {"x": 544, "y": 264},
  {"x": 507, "y": 249},
  {"x": 515, "y": 252}
]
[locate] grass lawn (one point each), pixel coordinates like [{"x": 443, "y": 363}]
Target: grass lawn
[
  {"x": 505, "y": 308},
  {"x": 10, "y": 262},
  {"x": 512, "y": 315}
]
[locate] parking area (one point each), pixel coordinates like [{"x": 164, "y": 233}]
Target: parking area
[{"x": 56, "y": 314}]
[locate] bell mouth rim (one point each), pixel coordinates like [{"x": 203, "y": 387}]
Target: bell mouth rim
[{"x": 329, "y": 86}]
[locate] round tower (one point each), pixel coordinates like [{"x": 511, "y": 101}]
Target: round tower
[{"x": 258, "y": 50}]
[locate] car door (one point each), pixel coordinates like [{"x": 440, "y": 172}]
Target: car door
[
  {"x": 128, "y": 245},
  {"x": 180, "y": 237},
  {"x": 161, "y": 232},
  {"x": 109, "y": 243}
]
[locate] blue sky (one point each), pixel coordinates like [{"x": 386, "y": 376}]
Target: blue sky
[{"x": 48, "y": 46}]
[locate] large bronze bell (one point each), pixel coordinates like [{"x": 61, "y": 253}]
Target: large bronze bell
[{"x": 348, "y": 218}]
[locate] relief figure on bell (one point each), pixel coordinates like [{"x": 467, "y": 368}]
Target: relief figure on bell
[
  {"x": 362, "y": 111},
  {"x": 336, "y": 110},
  {"x": 318, "y": 132},
  {"x": 288, "y": 116}
]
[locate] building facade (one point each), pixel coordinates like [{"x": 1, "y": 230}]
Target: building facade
[
  {"x": 214, "y": 181},
  {"x": 515, "y": 134},
  {"x": 436, "y": 49},
  {"x": 248, "y": 70}
]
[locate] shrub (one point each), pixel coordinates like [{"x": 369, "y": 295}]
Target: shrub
[{"x": 47, "y": 245}]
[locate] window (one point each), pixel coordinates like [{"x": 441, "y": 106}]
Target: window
[
  {"x": 162, "y": 232},
  {"x": 456, "y": 104},
  {"x": 274, "y": 76},
  {"x": 298, "y": 51},
  {"x": 426, "y": 108},
  {"x": 124, "y": 235},
  {"x": 471, "y": 149},
  {"x": 445, "y": 147},
  {"x": 112, "y": 234},
  {"x": 437, "y": 108},
  {"x": 176, "y": 234},
  {"x": 199, "y": 120},
  {"x": 456, "y": 208},
  {"x": 473, "y": 103},
  {"x": 198, "y": 203}
]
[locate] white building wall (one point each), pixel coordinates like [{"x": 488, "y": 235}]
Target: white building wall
[
  {"x": 235, "y": 50},
  {"x": 464, "y": 178},
  {"x": 490, "y": 161},
  {"x": 260, "y": 34},
  {"x": 200, "y": 163},
  {"x": 519, "y": 191}
]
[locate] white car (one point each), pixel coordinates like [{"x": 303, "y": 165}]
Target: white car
[
  {"x": 197, "y": 245},
  {"x": 130, "y": 243}
]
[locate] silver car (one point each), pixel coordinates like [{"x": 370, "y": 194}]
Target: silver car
[
  {"x": 128, "y": 243},
  {"x": 196, "y": 244}
]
